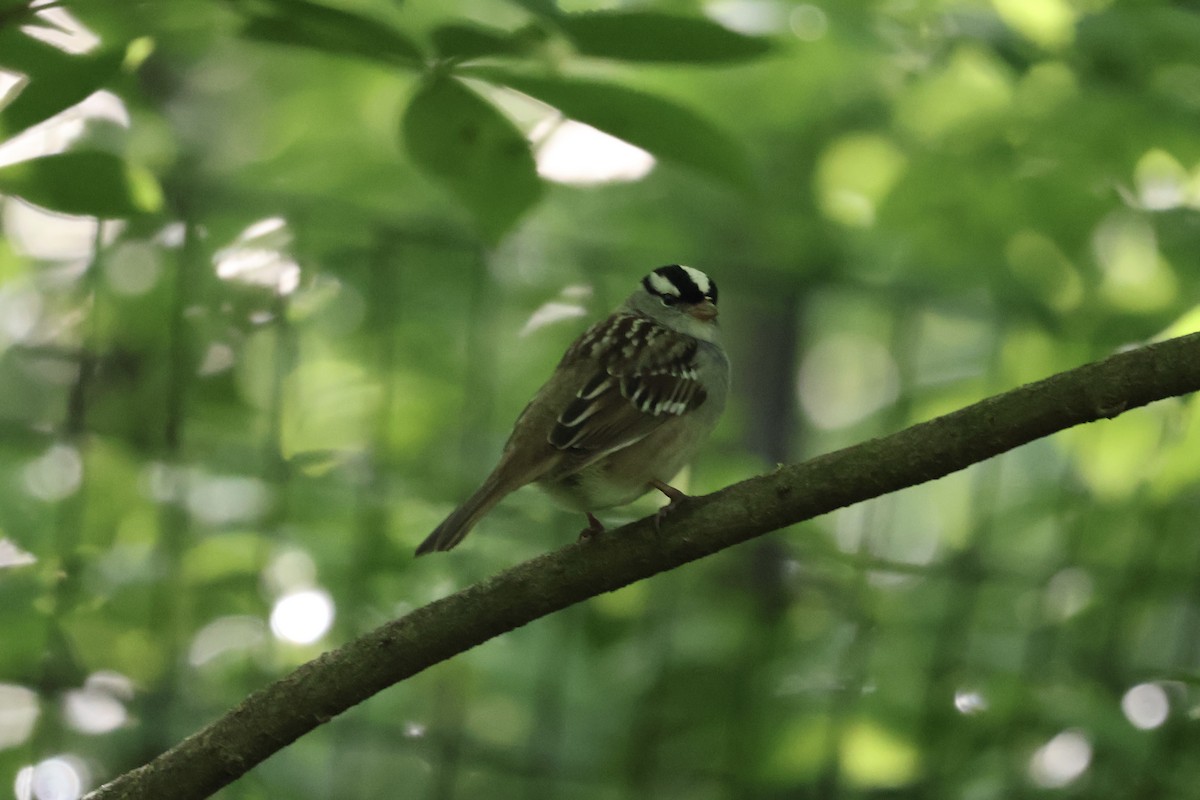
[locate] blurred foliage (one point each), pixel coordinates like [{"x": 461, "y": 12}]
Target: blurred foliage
[{"x": 331, "y": 268}]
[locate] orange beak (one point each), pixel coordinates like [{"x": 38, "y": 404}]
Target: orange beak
[{"x": 705, "y": 311}]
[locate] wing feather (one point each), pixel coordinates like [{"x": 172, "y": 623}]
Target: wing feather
[{"x": 640, "y": 374}]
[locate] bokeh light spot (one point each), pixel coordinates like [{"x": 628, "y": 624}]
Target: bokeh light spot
[
  {"x": 1061, "y": 760},
  {"x": 57, "y": 778},
  {"x": 20, "y": 310},
  {"x": 1050, "y": 23},
  {"x": 874, "y": 757},
  {"x": 224, "y": 499},
  {"x": 99, "y": 706},
  {"x": 845, "y": 378},
  {"x": 854, "y": 175},
  {"x": 11, "y": 555},
  {"x": 1136, "y": 277},
  {"x": 751, "y": 17},
  {"x": 808, "y": 22},
  {"x": 93, "y": 712},
  {"x": 1161, "y": 181},
  {"x": 258, "y": 257},
  {"x": 1146, "y": 706},
  {"x": 289, "y": 570},
  {"x": 223, "y": 635},
  {"x": 133, "y": 269},
  {"x": 970, "y": 701},
  {"x": 1068, "y": 592},
  {"x": 55, "y": 475},
  {"x": 18, "y": 713},
  {"x": 302, "y": 617}
]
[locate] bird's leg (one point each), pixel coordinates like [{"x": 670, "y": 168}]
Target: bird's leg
[
  {"x": 595, "y": 528},
  {"x": 673, "y": 496}
]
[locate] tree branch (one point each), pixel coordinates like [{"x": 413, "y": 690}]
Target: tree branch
[{"x": 278, "y": 714}]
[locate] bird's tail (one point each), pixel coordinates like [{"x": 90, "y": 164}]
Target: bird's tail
[{"x": 460, "y": 522}]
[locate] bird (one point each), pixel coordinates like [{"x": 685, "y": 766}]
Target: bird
[{"x": 629, "y": 404}]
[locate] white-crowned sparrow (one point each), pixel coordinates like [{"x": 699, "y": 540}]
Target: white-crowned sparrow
[{"x": 630, "y": 403}]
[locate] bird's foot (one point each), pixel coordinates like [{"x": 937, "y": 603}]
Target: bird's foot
[
  {"x": 674, "y": 496},
  {"x": 594, "y": 528}
]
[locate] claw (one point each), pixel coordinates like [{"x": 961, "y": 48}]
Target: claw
[
  {"x": 674, "y": 496},
  {"x": 595, "y": 528}
]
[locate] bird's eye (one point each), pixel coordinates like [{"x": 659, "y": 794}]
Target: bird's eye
[{"x": 668, "y": 299}]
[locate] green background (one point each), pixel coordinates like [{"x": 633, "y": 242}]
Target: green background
[{"x": 302, "y": 332}]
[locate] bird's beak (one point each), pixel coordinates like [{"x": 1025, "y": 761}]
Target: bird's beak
[{"x": 705, "y": 311}]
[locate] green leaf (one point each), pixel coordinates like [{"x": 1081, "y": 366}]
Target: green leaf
[
  {"x": 87, "y": 183},
  {"x": 464, "y": 41},
  {"x": 57, "y": 80},
  {"x": 22, "y": 53},
  {"x": 475, "y": 151},
  {"x": 14, "y": 7},
  {"x": 312, "y": 25},
  {"x": 654, "y": 36},
  {"x": 547, "y": 9},
  {"x": 667, "y": 130}
]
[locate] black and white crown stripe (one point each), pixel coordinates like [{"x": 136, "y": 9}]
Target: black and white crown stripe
[{"x": 675, "y": 282}]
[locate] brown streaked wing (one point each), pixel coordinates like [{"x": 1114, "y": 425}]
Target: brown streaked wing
[{"x": 643, "y": 375}]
